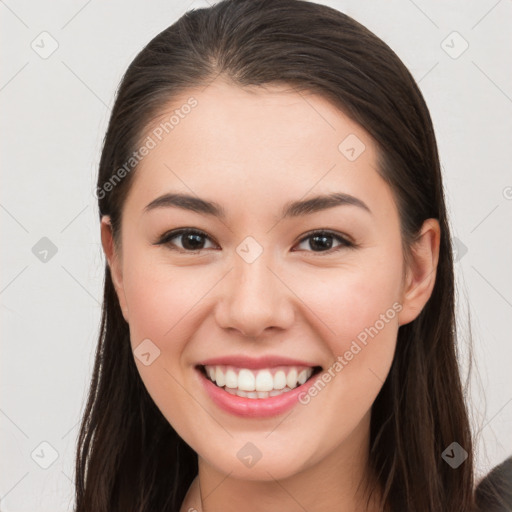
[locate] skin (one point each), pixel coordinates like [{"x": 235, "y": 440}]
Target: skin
[{"x": 252, "y": 151}]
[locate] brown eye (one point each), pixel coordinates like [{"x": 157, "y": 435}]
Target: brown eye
[
  {"x": 323, "y": 241},
  {"x": 191, "y": 240}
]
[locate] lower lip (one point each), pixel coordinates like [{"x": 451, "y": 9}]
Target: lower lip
[{"x": 255, "y": 407}]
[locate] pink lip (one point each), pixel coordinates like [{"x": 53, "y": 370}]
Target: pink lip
[
  {"x": 255, "y": 407},
  {"x": 254, "y": 363}
]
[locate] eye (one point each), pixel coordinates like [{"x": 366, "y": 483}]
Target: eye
[
  {"x": 191, "y": 240},
  {"x": 323, "y": 241}
]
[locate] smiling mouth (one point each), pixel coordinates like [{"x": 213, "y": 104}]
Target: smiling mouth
[{"x": 258, "y": 384}]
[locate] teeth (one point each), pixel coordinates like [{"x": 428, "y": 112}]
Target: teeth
[
  {"x": 246, "y": 380},
  {"x": 303, "y": 377},
  {"x": 256, "y": 394},
  {"x": 220, "y": 379},
  {"x": 262, "y": 383},
  {"x": 280, "y": 380},
  {"x": 291, "y": 378},
  {"x": 231, "y": 379}
]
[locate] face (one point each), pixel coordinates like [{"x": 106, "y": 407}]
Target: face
[{"x": 315, "y": 286}]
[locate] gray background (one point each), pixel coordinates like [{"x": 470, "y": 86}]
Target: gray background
[{"x": 55, "y": 110}]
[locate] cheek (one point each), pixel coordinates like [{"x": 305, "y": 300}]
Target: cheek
[
  {"x": 357, "y": 312},
  {"x": 353, "y": 300},
  {"x": 362, "y": 349},
  {"x": 362, "y": 336},
  {"x": 161, "y": 299},
  {"x": 162, "y": 305}
]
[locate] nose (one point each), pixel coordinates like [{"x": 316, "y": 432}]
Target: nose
[{"x": 254, "y": 299}]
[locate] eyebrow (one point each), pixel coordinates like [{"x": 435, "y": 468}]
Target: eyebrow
[{"x": 290, "y": 209}]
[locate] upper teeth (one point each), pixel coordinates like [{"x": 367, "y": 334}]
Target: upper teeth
[{"x": 267, "y": 379}]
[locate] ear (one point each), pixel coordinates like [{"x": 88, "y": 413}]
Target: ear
[
  {"x": 421, "y": 272},
  {"x": 114, "y": 263}
]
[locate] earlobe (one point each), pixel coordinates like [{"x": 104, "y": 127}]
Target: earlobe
[
  {"x": 114, "y": 263},
  {"x": 422, "y": 271}
]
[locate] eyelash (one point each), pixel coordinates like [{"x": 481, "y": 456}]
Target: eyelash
[{"x": 166, "y": 238}]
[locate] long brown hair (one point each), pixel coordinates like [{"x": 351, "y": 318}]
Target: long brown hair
[{"x": 128, "y": 456}]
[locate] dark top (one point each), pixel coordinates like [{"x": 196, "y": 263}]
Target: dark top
[{"x": 494, "y": 492}]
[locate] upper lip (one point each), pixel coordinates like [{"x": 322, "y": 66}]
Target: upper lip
[{"x": 255, "y": 362}]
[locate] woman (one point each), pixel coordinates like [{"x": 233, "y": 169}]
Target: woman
[{"x": 278, "y": 328}]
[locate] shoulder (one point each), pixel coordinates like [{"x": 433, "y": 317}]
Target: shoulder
[{"x": 494, "y": 492}]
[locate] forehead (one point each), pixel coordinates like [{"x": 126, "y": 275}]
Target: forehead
[
  {"x": 227, "y": 117},
  {"x": 273, "y": 140}
]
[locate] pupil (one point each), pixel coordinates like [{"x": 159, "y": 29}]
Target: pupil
[
  {"x": 195, "y": 240},
  {"x": 325, "y": 241}
]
